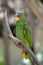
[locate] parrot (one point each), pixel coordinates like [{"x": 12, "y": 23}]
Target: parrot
[{"x": 23, "y": 32}]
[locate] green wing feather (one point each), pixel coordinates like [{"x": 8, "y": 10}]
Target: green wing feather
[
  {"x": 19, "y": 31},
  {"x": 23, "y": 31}
]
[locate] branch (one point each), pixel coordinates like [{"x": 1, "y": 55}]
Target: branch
[
  {"x": 18, "y": 42},
  {"x": 36, "y": 8}
]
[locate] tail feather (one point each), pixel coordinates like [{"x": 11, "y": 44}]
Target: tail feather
[{"x": 26, "y": 55}]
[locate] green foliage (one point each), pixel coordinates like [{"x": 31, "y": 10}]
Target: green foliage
[{"x": 1, "y": 58}]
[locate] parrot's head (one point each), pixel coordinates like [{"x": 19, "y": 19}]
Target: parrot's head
[{"x": 17, "y": 15}]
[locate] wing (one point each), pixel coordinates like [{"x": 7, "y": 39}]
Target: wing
[
  {"x": 28, "y": 35},
  {"x": 19, "y": 31}
]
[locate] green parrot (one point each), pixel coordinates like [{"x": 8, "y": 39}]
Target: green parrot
[{"x": 23, "y": 33}]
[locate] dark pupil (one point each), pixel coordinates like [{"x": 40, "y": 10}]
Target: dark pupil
[{"x": 18, "y": 15}]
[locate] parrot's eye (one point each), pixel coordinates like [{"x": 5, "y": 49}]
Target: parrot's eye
[{"x": 18, "y": 15}]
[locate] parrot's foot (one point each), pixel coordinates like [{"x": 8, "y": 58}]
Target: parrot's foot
[{"x": 26, "y": 61}]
